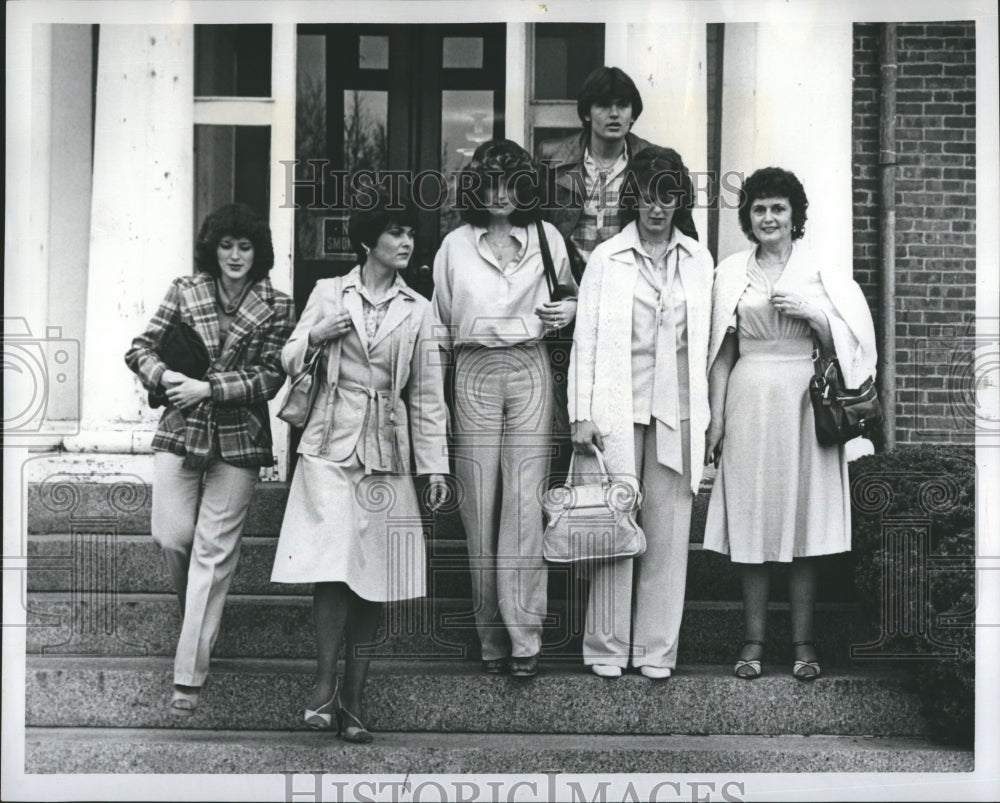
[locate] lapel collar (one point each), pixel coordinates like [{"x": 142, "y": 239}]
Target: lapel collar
[
  {"x": 687, "y": 268},
  {"x": 352, "y": 303},
  {"x": 252, "y": 313},
  {"x": 626, "y": 242},
  {"x": 199, "y": 298},
  {"x": 399, "y": 310}
]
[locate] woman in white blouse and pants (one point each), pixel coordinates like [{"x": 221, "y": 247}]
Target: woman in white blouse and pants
[
  {"x": 638, "y": 390},
  {"x": 490, "y": 292}
]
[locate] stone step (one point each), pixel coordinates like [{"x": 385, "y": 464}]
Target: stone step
[
  {"x": 54, "y": 505},
  {"x": 282, "y": 627},
  {"x": 134, "y": 564},
  {"x": 453, "y": 697},
  {"x": 133, "y": 750}
]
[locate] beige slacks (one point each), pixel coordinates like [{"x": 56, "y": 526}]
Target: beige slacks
[
  {"x": 635, "y": 606},
  {"x": 198, "y": 519},
  {"x": 503, "y": 444}
]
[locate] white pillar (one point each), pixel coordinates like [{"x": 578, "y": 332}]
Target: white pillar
[
  {"x": 69, "y": 201},
  {"x": 667, "y": 63},
  {"x": 282, "y": 211},
  {"x": 516, "y": 85},
  {"x": 141, "y": 219},
  {"x": 787, "y": 102}
]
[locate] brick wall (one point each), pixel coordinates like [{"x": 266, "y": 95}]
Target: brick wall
[{"x": 935, "y": 219}]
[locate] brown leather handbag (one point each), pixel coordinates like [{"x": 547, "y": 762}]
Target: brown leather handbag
[{"x": 840, "y": 412}]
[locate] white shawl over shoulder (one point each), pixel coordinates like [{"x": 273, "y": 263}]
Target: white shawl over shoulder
[{"x": 838, "y": 296}]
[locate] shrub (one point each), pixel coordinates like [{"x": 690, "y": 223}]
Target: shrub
[{"x": 919, "y": 593}]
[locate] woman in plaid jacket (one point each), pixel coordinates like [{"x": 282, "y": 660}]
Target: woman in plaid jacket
[{"x": 214, "y": 435}]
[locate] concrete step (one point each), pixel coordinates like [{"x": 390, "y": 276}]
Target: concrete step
[
  {"x": 449, "y": 697},
  {"x": 127, "y": 750},
  {"x": 282, "y": 627},
  {"x": 134, "y": 564},
  {"x": 53, "y": 505}
]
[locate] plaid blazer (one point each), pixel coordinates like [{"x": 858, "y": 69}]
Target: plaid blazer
[{"x": 244, "y": 373}]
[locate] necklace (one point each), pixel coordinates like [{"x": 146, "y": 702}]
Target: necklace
[
  {"x": 502, "y": 248},
  {"x": 228, "y": 305},
  {"x": 604, "y": 165},
  {"x": 773, "y": 263},
  {"x": 657, "y": 249}
]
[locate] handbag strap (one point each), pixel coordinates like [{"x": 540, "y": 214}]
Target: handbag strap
[
  {"x": 550, "y": 270},
  {"x": 602, "y": 465}
]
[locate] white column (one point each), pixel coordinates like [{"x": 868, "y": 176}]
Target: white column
[
  {"x": 667, "y": 64},
  {"x": 141, "y": 218},
  {"x": 516, "y": 86},
  {"x": 69, "y": 201},
  {"x": 282, "y": 212},
  {"x": 787, "y": 103}
]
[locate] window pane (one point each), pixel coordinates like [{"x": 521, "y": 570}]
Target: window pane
[
  {"x": 564, "y": 55},
  {"x": 231, "y": 165},
  {"x": 466, "y": 122},
  {"x": 373, "y": 52},
  {"x": 366, "y": 114},
  {"x": 232, "y": 60},
  {"x": 540, "y": 135},
  {"x": 462, "y": 52},
  {"x": 310, "y": 139}
]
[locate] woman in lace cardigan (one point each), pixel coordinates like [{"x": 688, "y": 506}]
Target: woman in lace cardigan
[{"x": 638, "y": 390}]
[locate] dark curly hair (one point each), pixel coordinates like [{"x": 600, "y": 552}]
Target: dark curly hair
[
  {"x": 370, "y": 219},
  {"x": 234, "y": 220},
  {"x": 774, "y": 182},
  {"x": 499, "y": 161},
  {"x": 658, "y": 172},
  {"x": 602, "y": 86}
]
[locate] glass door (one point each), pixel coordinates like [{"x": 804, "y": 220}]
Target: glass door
[{"x": 412, "y": 98}]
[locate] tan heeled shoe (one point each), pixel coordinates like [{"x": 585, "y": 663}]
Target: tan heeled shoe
[{"x": 184, "y": 703}]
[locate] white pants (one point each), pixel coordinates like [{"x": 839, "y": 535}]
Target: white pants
[
  {"x": 635, "y": 606},
  {"x": 503, "y": 444},
  {"x": 199, "y": 528}
]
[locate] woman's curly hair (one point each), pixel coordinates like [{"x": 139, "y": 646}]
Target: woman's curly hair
[
  {"x": 234, "y": 220},
  {"x": 499, "y": 161},
  {"x": 774, "y": 182}
]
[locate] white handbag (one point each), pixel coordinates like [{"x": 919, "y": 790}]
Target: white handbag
[{"x": 593, "y": 521}]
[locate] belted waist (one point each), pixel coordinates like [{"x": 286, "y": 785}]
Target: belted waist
[
  {"x": 378, "y": 446},
  {"x": 789, "y": 348}
]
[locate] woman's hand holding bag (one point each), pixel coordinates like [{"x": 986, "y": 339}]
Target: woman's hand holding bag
[{"x": 593, "y": 520}]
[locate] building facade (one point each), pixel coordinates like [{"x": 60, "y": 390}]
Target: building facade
[{"x": 134, "y": 132}]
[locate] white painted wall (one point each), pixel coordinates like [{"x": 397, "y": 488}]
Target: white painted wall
[
  {"x": 787, "y": 102},
  {"x": 667, "y": 63}
]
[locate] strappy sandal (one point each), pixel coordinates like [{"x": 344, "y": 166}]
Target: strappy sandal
[
  {"x": 749, "y": 670},
  {"x": 184, "y": 703},
  {"x": 350, "y": 728},
  {"x": 805, "y": 670},
  {"x": 322, "y": 718}
]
